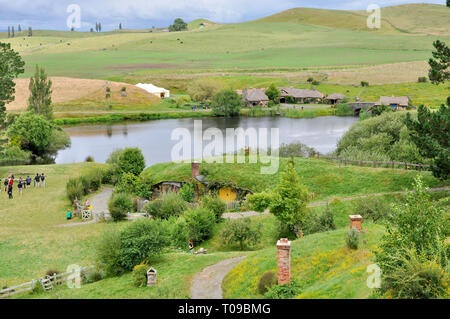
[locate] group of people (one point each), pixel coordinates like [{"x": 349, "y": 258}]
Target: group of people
[{"x": 39, "y": 181}]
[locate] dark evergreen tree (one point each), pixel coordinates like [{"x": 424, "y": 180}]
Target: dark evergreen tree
[
  {"x": 440, "y": 63},
  {"x": 120, "y": 26},
  {"x": 431, "y": 134},
  {"x": 99, "y": 27},
  {"x": 30, "y": 32},
  {"x": 9, "y": 32},
  {"x": 12, "y": 32},
  {"x": 40, "y": 100},
  {"x": 19, "y": 28},
  {"x": 11, "y": 65}
]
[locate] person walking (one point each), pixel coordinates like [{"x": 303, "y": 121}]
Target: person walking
[
  {"x": 37, "y": 179},
  {"x": 10, "y": 191},
  {"x": 43, "y": 180},
  {"x": 191, "y": 246},
  {"x": 28, "y": 180},
  {"x": 6, "y": 183},
  {"x": 20, "y": 186}
]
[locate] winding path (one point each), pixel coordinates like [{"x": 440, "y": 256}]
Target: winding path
[
  {"x": 208, "y": 283},
  {"x": 99, "y": 204}
]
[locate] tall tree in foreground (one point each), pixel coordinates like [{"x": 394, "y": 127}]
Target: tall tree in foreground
[
  {"x": 431, "y": 134},
  {"x": 289, "y": 200},
  {"x": 40, "y": 100},
  {"x": 413, "y": 256},
  {"x": 11, "y": 65},
  {"x": 440, "y": 63},
  {"x": 273, "y": 93}
]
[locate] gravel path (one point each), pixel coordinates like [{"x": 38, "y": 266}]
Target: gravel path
[
  {"x": 99, "y": 204},
  {"x": 208, "y": 283}
]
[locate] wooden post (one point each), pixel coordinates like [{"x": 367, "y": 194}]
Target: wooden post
[
  {"x": 360, "y": 163},
  {"x": 393, "y": 163},
  {"x": 345, "y": 162},
  {"x": 406, "y": 166},
  {"x": 374, "y": 164}
]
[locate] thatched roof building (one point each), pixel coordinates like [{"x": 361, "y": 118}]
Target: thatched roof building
[
  {"x": 300, "y": 95},
  {"x": 393, "y": 101},
  {"x": 253, "y": 97},
  {"x": 335, "y": 98}
]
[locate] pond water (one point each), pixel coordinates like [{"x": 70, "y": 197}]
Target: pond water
[{"x": 154, "y": 137}]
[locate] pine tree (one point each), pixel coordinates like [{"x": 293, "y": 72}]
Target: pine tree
[
  {"x": 448, "y": 3},
  {"x": 30, "y": 32},
  {"x": 120, "y": 26},
  {"x": 19, "y": 29},
  {"x": 99, "y": 27},
  {"x": 40, "y": 100},
  {"x": 9, "y": 32},
  {"x": 12, "y": 32},
  {"x": 96, "y": 27},
  {"x": 289, "y": 199},
  {"x": 440, "y": 63}
]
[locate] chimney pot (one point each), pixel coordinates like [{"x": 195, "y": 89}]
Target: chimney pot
[{"x": 195, "y": 169}]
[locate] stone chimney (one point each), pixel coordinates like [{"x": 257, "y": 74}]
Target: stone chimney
[
  {"x": 355, "y": 221},
  {"x": 284, "y": 261},
  {"x": 195, "y": 169}
]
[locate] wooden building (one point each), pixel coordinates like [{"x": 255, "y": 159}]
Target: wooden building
[
  {"x": 301, "y": 95},
  {"x": 335, "y": 98},
  {"x": 396, "y": 102}
]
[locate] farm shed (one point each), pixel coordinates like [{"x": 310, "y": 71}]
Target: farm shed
[
  {"x": 397, "y": 102},
  {"x": 254, "y": 97},
  {"x": 153, "y": 89},
  {"x": 301, "y": 95},
  {"x": 335, "y": 98}
]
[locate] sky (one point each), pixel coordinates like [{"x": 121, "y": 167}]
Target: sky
[{"x": 53, "y": 14}]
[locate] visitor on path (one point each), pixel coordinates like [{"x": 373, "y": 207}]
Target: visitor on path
[
  {"x": 28, "y": 179},
  {"x": 6, "y": 183},
  {"x": 10, "y": 191},
  {"x": 20, "y": 186},
  {"x": 37, "y": 179},
  {"x": 43, "y": 180},
  {"x": 11, "y": 180},
  {"x": 191, "y": 246},
  {"x": 69, "y": 214}
]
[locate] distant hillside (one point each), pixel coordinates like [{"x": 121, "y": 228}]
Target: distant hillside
[
  {"x": 200, "y": 23},
  {"x": 410, "y": 18}
]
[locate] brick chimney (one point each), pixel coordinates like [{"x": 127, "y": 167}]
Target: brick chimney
[
  {"x": 284, "y": 261},
  {"x": 355, "y": 221},
  {"x": 195, "y": 169}
]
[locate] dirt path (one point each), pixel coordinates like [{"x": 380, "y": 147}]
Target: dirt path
[
  {"x": 99, "y": 204},
  {"x": 208, "y": 283}
]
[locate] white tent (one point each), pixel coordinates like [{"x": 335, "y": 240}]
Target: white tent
[{"x": 153, "y": 89}]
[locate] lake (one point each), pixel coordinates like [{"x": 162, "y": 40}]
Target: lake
[{"x": 154, "y": 137}]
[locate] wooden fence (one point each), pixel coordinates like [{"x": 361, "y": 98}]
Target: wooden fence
[
  {"x": 47, "y": 283},
  {"x": 391, "y": 164}
]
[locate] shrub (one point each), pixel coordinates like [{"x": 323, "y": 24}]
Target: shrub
[
  {"x": 126, "y": 183},
  {"x": 74, "y": 189},
  {"x": 267, "y": 280},
  {"x": 417, "y": 279},
  {"x": 259, "y": 202},
  {"x": 119, "y": 205},
  {"x": 422, "y": 79},
  {"x": 170, "y": 205},
  {"x": 143, "y": 187},
  {"x": 215, "y": 205},
  {"x": 132, "y": 161},
  {"x": 372, "y": 208},
  {"x": 364, "y": 83},
  {"x": 51, "y": 272},
  {"x": 320, "y": 223},
  {"x": 140, "y": 274},
  {"x": 186, "y": 192},
  {"x": 179, "y": 234},
  {"x": 85, "y": 183},
  {"x": 296, "y": 150},
  {"x": 352, "y": 239},
  {"x": 315, "y": 82},
  {"x": 91, "y": 275},
  {"x": 200, "y": 223},
  {"x": 113, "y": 158},
  {"x": 241, "y": 231},
  {"x": 96, "y": 180},
  {"x": 286, "y": 291},
  {"x": 141, "y": 241},
  {"x": 89, "y": 158},
  {"x": 343, "y": 110},
  {"x": 108, "y": 253}
]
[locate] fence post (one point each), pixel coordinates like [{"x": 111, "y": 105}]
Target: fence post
[
  {"x": 374, "y": 164},
  {"x": 393, "y": 164},
  {"x": 360, "y": 163},
  {"x": 406, "y": 166}
]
